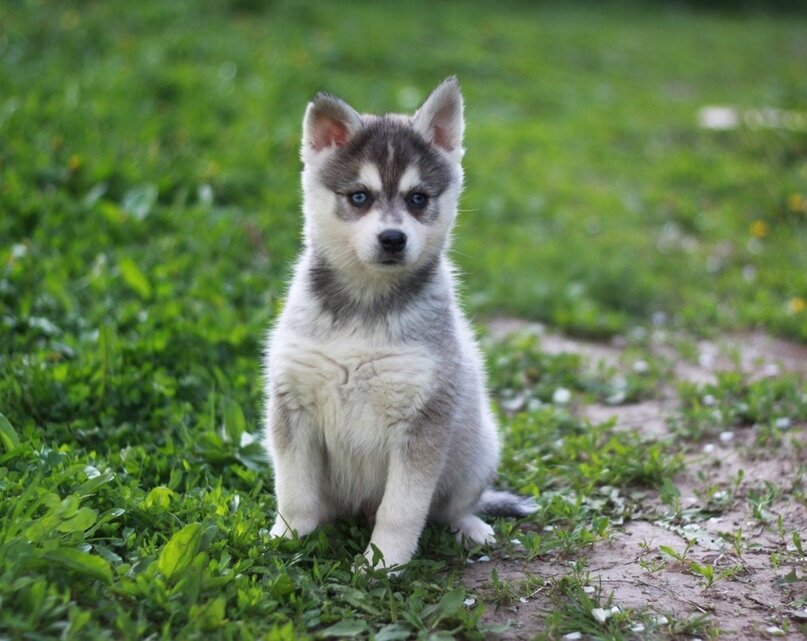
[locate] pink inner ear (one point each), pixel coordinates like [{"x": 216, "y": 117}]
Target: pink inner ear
[
  {"x": 441, "y": 139},
  {"x": 329, "y": 132}
]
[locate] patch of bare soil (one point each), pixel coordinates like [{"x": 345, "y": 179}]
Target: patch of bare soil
[{"x": 747, "y": 542}]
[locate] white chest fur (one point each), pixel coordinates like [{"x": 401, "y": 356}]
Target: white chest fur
[
  {"x": 341, "y": 381},
  {"x": 359, "y": 396}
]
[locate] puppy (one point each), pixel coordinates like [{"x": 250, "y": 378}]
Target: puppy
[{"x": 376, "y": 392}]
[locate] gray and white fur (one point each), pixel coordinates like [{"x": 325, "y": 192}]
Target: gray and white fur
[{"x": 376, "y": 392}]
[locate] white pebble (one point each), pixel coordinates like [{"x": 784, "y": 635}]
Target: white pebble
[
  {"x": 600, "y": 615},
  {"x": 484, "y": 559},
  {"x": 522, "y": 599},
  {"x": 708, "y": 400},
  {"x": 469, "y": 602},
  {"x": 588, "y": 589},
  {"x": 771, "y": 370},
  {"x": 726, "y": 437},
  {"x": 637, "y": 628},
  {"x": 775, "y": 631},
  {"x": 661, "y": 620},
  {"x": 708, "y": 448},
  {"x": 706, "y": 360},
  {"x": 640, "y": 367},
  {"x": 573, "y": 636},
  {"x": 782, "y": 423}
]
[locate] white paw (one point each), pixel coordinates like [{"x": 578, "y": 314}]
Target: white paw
[
  {"x": 386, "y": 560},
  {"x": 288, "y": 527},
  {"x": 473, "y": 531}
]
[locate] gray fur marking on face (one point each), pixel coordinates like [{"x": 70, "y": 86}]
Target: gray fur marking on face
[{"x": 392, "y": 146}]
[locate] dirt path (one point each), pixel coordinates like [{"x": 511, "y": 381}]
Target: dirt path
[{"x": 747, "y": 544}]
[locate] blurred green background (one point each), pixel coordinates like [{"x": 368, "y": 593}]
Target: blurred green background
[{"x": 165, "y": 134}]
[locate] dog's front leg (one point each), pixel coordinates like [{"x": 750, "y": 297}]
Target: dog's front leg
[
  {"x": 297, "y": 463},
  {"x": 413, "y": 471}
]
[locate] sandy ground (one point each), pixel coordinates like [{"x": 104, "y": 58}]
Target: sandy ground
[{"x": 749, "y": 601}]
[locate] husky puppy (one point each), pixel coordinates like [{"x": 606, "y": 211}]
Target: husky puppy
[{"x": 376, "y": 393}]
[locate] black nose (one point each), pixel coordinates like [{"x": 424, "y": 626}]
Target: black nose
[{"x": 392, "y": 240}]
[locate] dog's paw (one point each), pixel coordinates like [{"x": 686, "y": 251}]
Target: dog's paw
[
  {"x": 288, "y": 528},
  {"x": 473, "y": 531}
]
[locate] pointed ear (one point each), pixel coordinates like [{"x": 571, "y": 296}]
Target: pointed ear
[
  {"x": 440, "y": 119},
  {"x": 328, "y": 121}
]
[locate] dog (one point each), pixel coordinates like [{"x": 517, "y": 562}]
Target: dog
[{"x": 376, "y": 391}]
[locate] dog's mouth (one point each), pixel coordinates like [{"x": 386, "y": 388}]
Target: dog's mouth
[{"x": 388, "y": 260}]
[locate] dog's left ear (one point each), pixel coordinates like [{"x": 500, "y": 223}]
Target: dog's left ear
[{"x": 440, "y": 119}]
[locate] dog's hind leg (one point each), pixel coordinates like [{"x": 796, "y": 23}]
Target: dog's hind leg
[{"x": 472, "y": 530}]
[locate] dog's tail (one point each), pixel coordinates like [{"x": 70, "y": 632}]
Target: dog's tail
[{"x": 501, "y": 503}]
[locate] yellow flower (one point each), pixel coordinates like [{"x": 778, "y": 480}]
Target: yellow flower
[
  {"x": 796, "y": 305},
  {"x": 797, "y": 202},
  {"x": 74, "y": 162},
  {"x": 759, "y": 229}
]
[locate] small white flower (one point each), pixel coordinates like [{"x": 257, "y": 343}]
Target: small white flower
[
  {"x": 514, "y": 404},
  {"x": 561, "y": 396},
  {"x": 718, "y": 117},
  {"x": 534, "y": 404},
  {"x": 709, "y": 400},
  {"x": 18, "y": 251}
]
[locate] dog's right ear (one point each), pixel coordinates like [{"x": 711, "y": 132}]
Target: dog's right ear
[{"x": 328, "y": 122}]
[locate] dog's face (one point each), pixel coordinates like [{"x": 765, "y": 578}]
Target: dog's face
[{"x": 380, "y": 192}]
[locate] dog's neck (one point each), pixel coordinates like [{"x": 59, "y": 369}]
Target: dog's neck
[{"x": 370, "y": 300}]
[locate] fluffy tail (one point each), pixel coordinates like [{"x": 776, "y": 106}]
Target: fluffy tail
[{"x": 499, "y": 503}]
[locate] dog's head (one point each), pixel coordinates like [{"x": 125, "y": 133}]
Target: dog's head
[{"x": 380, "y": 192}]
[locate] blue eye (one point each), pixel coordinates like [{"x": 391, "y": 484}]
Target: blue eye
[
  {"x": 358, "y": 198},
  {"x": 418, "y": 200}
]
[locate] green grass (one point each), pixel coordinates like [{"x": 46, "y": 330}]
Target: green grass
[{"x": 149, "y": 207}]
